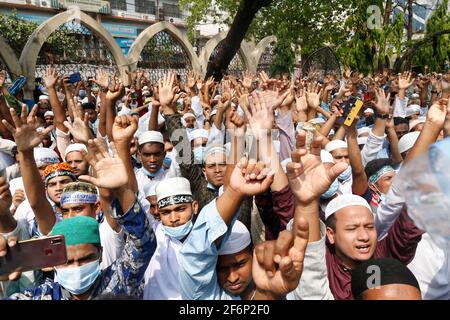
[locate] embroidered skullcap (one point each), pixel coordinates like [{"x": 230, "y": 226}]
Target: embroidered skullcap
[
  {"x": 45, "y": 156},
  {"x": 75, "y": 147},
  {"x": 214, "y": 148},
  {"x": 173, "y": 191},
  {"x": 407, "y": 141},
  {"x": 343, "y": 201},
  {"x": 57, "y": 170},
  {"x": 79, "y": 192},
  {"x": 239, "y": 239},
  {"x": 151, "y": 136},
  {"x": 48, "y": 114},
  {"x": 335, "y": 144},
  {"x": 78, "y": 230}
]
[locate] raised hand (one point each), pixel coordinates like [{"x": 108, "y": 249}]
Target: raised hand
[
  {"x": 247, "y": 79},
  {"x": 260, "y": 116},
  {"x": 313, "y": 94},
  {"x": 209, "y": 82},
  {"x": 273, "y": 98},
  {"x": 124, "y": 128},
  {"x": 102, "y": 78},
  {"x": 167, "y": 90},
  {"x": 382, "y": 105},
  {"x": 438, "y": 112},
  {"x": 301, "y": 104},
  {"x": 5, "y": 196},
  {"x": 191, "y": 79},
  {"x": 405, "y": 80},
  {"x": 2, "y": 78},
  {"x": 111, "y": 172},
  {"x": 79, "y": 128},
  {"x": 24, "y": 129},
  {"x": 308, "y": 177},
  {"x": 18, "y": 197},
  {"x": 116, "y": 91},
  {"x": 4, "y": 248},
  {"x": 278, "y": 265},
  {"x": 250, "y": 177},
  {"x": 51, "y": 77}
]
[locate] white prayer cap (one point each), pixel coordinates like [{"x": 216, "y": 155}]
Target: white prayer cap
[
  {"x": 145, "y": 92},
  {"x": 335, "y": 144},
  {"x": 188, "y": 115},
  {"x": 145, "y": 88},
  {"x": 150, "y": 189},
  {"x": 239, "y": 239},
  {"x": 75, "y": 147},
  {"x": 326, "y": 157},
  {"x": 43, "y": 97},
  {"x": 151, "y": 136},
  {"x": 173, "y": 191},
  {"x": 48, "y": 114},
  {"x": 412, "y": 109},
  {"x": 217, "y": 97},
  {"x": 362, "y": 140},
  {"x": 415, "y": 96},
  {"x": 45, "y": 156},
  {"x": 343, "y": 201},
  {"x": 407, "y": 141},
  {"x": 369, "y": 110},
  {"x": 214, "y": 148},
  {"x": 198, "y": 133},
  {"x": 363, "y": 130},
  {"x": 415, "y": 122}
]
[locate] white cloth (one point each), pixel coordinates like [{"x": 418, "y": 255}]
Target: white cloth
[
  {"x": 161, "y": 280},
  {"x": 197, "y": 108},
  {"x": 112, "y": 243},
  {"x": 431, "y": 267},
  {"x": 313, "y": 283},
  {"x": 400, "y": 107},
  {"x": 145, "y": 183},
  {"x": 373, "y": 145},
  {"x": 15, "y": 184}
]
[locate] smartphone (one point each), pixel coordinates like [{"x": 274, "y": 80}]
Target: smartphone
[
  {"x": 34, "y": 254},
  {"x": 75, "y": 77}
]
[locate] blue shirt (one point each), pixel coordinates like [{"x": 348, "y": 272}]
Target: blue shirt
[
  {"x": 198, "y": 257},
  {"x": 125, "y": 276}
]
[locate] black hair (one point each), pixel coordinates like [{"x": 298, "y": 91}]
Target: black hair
[
  {"x": 390, "y": 271},
  {"x": 331, "y": 222},
  {"x": 400, "y": 120},
  {"x": 88, "y": 105},
  {"x": 375, "y": 165}
]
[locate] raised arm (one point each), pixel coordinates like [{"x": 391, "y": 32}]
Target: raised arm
[
  {"x": 359, "y": 185},
  {"x": 26, "y": 137},
  {"x": 50, "y": 79}
]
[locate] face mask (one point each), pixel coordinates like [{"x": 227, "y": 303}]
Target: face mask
[
  {"x": 78, "y": 280},
  {"x": 189, "y": 130},
  {"x": 331, "y": 190},
  {"x": 179, "y": 232},
  {"x": 82, "y": 94},
  {"x": 344, "y": 176},
  {"x": 151, "y": 174},
  {"x": 198, "y": 154},
  {"x": 167, "y": 162}
]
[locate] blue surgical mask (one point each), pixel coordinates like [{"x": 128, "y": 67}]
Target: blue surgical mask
[
  {"x": 198, "y": 154},
  {"x": 331, "y": 190},
  {"x": 151, "y": 174},
  {"x": 344, "y": 176},
  {"x": 78, "y": 280},
  {"x": 178, "y": 232},
  {"x": 167, "y": 162}
]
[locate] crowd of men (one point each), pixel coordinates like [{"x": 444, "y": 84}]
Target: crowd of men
[{"x": 247, "y": 188}]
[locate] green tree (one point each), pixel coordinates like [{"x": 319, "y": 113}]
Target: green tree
[{"x": 283, "y": 58}]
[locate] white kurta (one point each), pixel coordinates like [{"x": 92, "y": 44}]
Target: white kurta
[
  {"x": 145, "y": 183},
  {"x": 161, "y": 280}
]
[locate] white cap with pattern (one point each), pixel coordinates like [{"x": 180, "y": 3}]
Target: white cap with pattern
[
  {"x": 343, "y": 201},
  {"x": 151, "y": 136}
]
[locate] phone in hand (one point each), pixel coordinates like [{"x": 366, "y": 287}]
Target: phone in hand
[
  {"x": 75, "y": 77},
  {"x": 34, "y": 254},
  {"x": 351, "y": 109}
]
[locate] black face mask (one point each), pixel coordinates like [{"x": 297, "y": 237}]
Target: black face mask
[{"x": 369, "y": 121}]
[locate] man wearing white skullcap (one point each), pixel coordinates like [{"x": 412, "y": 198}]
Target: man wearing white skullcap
[
  {"x": 152, "y": 154},
  {"x": 176, "y": 210},
  {"x": 189, "y": 119},
  {"x": 216, "y": 259},
  {"x": 407, "y": 142},
  {"x": 417, "y": 124},
  {"x": 76, "y": 156},
  {"x": 339, "y": 151},
  {"x": 48, "y": 116},
  {"x": 412, "y": 111}
]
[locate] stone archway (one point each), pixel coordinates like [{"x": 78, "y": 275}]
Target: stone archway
[
  {"x": 33, "y": 46},
  {"x": 145, "y": 36},
  {"x": 9, "y": 58}
]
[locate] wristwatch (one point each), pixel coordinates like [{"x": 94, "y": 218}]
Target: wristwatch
[{"x": 382, "y": 116}]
